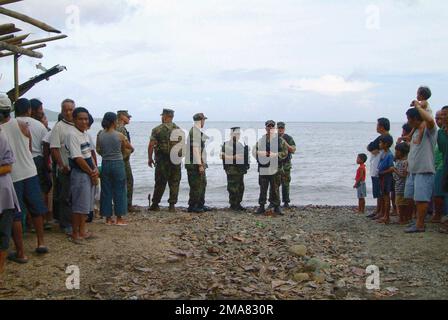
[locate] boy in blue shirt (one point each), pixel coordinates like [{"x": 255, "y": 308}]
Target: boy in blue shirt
[{"x": 386, "y": 169}]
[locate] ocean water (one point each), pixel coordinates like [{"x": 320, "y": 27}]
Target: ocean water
[{"x": 323, "y": 173}]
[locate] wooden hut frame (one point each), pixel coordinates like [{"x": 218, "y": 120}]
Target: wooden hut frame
[{"x": 14, "y": 45}]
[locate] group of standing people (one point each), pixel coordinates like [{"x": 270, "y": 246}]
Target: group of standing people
[
  {"x": 413, "y": 180},
  {"x": 273, "y": 153},
  {"x": 53, "y": 176}
]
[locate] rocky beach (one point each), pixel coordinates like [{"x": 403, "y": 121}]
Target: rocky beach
[{"x": 313, "y": 252}]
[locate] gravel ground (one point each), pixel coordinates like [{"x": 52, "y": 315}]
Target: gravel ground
[{"x": 310, "y": 253}]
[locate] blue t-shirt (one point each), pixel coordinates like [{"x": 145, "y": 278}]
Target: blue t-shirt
[{"x": 386, "y": 162}]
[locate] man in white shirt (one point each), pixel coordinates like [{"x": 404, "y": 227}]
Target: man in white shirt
[
  {"x": 61, "y": 196},
  {"x": 38, "y": 133}
]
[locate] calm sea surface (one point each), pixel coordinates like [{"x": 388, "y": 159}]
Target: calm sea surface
[{"x": 323, "y": 168}]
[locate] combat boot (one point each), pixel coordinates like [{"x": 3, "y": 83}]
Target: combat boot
[
  {"x": 172, "y": 208},
  {"x": 286, "y": 205},
  {"x": 154, "y": 207},
  {"x": 261, "y": 210},
  {"x": 278, "y": 211}
]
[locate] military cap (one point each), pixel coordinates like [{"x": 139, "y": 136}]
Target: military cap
[
  {"x": 5, "y": 103},
  {"x": 199, "y": 117},
  {"x": 281, "y": 125},
  {"x": 270, "y": 123},
  {"x": 235, "y": 129},
  {"x": 167, "y": 112},
  {"x": 124, "y": 113}
]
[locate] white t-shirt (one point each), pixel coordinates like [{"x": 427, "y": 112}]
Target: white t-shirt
[
  {"x": 78, "y": 145},
  {"x": 374, "y": 162},
  {"x": 38, "y": 132},
  {"x": 46, "y": 139},
  {"x": 58, "y": 137}
]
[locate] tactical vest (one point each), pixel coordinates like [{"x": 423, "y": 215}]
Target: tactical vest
[
  {"x": 268, "y": 150},
  {"x": 164, "y": 143},
  {"x": 244, "y": 167}
]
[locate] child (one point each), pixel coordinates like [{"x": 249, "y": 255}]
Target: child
[
  {"x": 423, "y": 95},
  {"x": 375, "y": 156},
  {"x": 9, "y": 204},
  {"x": 360, "y": 184},
  {"x": 400, "y": 173},
  {"x": 385, "y": 168}
]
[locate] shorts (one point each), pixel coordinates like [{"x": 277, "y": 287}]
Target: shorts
[
  {"x": 386, "y": 184},
  {"x": 43, "y": 174},
  {"x": 420, "y": 187},
  {"x": 82, "y": 192},
  {"x": 30, "y": 197},
  {"x": 438, "y": 185},
  {"x": 400, "y": 200},
  {"x": 6, "y": 219},
  {"x": 362, "y": 190},
  {"x": 376, "y": 189}
]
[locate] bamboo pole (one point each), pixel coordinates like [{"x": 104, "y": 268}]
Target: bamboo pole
[
  {"x": 20, "y": 50},
  {"x": 17, "y": 40},
  {"x": 16, "y": 77},
  {"x": 8, "y": 28},
  {"x": 3, "y": 2},
  {"x": 39, "y": 46},
  {"x": 43, "y": 40},
  {"x": 27, "y": 19},
  {"x": 7, "y": 37}
]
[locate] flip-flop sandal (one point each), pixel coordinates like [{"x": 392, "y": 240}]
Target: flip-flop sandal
[
  {"x": 76, "y": 241},
  {"x": 42, "y": 250},
  {"x": 13, "y": 257},
  {"x": 110, "y": 223},
  {"x": 121, "y": 224},
  {"x": 90, "y": 236},
  {"x": 443, "y": 230}
]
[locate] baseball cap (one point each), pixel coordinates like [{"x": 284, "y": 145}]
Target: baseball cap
[
  {"x": 5, "y": 103},
  {"x": 199, "y": 116},
  {"x": 270, "y": 123},
  {"x": 167, "y": 112},
  {"x": 281, "y": 125}
]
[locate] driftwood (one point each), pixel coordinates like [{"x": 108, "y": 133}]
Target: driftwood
[
  {"x": 43, "y": 40},
  {"x": 3, "y": 2},
  {"x": 20, "y": 50},
  {"x": 27, "y": 19},
  {"x": 39, "y": 46},
  {"x": 8, "y": 28}
]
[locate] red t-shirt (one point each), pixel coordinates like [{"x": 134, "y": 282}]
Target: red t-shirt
[{"x": 361, "y": 173}]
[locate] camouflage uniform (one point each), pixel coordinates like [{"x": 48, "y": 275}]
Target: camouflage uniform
[
  {"x": 197, "y": 181},
  {"x": 166, "y": 171},
  {"x": 286, "y": 174},
  {"x": 127, "y": 165},
  {"x": 235, "y": 172},
  {"x": 270, "y": 176}
]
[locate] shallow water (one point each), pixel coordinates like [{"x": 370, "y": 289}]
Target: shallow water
[{"x": 323, "y": 168}]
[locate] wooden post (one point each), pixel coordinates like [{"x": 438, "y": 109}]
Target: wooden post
[{"x": 16, "y": 77}]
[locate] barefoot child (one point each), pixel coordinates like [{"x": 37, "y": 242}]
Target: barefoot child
[
  {"x": 375, "y": 156},
  {"x": 400, "y": 174},
  {"x": 423, "y": 95},
  {"x": 9, "y": 203},
  {"x": 385, "y": 168},
  {"x": 360, "y": 182}
]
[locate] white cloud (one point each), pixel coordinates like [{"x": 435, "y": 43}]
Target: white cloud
[{"x": 331, "y": 85}]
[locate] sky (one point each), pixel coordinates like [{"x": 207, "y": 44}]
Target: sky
[{"x": 290, "y": 60}]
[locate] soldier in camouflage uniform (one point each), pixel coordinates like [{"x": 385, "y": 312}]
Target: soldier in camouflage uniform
[
  {"x": 287, "y": 166},
  {"x": 196, "y": 165},
  {"x": 123, "y": 120},
  {"x": 236, "y": 164},
  {"x": 269, "y": 151},
  {"x": 164, "y": 139}
]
